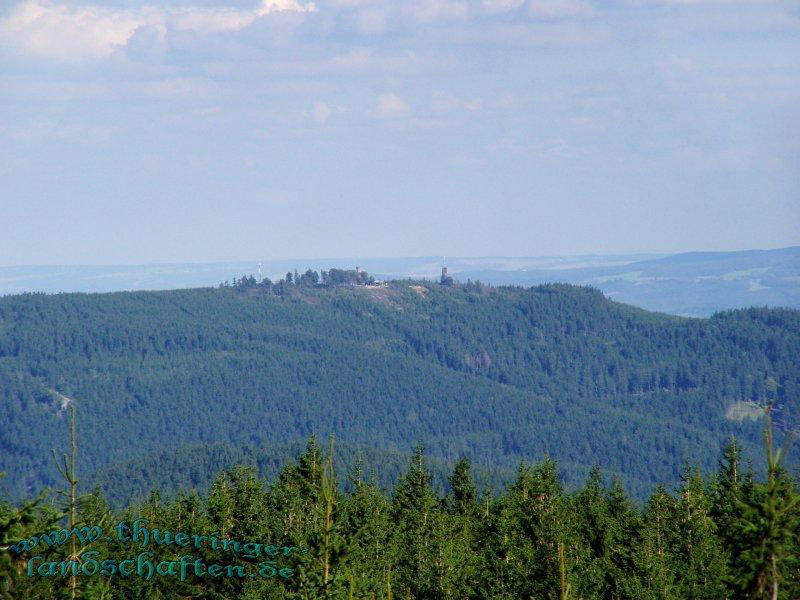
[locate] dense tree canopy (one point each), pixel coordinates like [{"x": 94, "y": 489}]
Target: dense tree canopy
[
  {"x": 171, "y": 383},
  {"x": 533, "y": 540}
]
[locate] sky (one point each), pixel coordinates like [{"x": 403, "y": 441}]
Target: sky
[{"x": 211, "y": 130}]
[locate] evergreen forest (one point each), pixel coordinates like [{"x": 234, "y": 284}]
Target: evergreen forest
[
  {"x": 728, "y": 536},
  {"x": 482, "y": 442},
  {"x": 173, "y": 386}
]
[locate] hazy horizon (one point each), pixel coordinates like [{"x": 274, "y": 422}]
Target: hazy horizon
[{"x": 255, "y": 261}]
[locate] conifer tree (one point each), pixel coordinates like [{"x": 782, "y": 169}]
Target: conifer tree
[
  {"x": 701, "y": 565},
  {"x": 463, "y": 495},
  {"x": 655, "y": 559},
  {"x": 728, "y": 491},
  {"x": 19, "y": 523},
  {"x": 769, "y": 523},
  {"x": 416, "y": 518},
  {"x": 596, "y": 531},
  {"x": 323, "y": 575},
  {"x": 368, "y": 527},
  {"x": 626, "y": 528},
  {"x": 533, "y": 548},
  {"x": 459, "y": 563},
  {"x": 293, "y": 496}
]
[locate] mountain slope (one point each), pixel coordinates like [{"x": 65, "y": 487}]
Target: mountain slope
[{"x": 499, "y": 374}]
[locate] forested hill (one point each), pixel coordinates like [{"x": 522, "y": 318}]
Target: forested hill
[{"x": 496, "y": 374}]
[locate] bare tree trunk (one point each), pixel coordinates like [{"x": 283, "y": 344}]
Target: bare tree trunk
[
  {"x": 774, "y": 577},
  {"x": 68, "y": 468},
  {"x": 328, "y": 492},
  {"x": 562, "y": 568},
  {"x": 73, "y": 497}
]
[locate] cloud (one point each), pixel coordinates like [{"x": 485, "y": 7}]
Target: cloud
[
  {"x": 699, "y": 2},
  {"x": 354, "y": 59},
  {"x": 373, "y": 20},
  {"x": 549, "y": 33},
  {"x": 391, "y": 105},
  {"x": 547, "y": 148},
  {"x": 349, "y": 3},
  {"x": 321, "y": 112},
  {"x": 365, "y": 59},
  {"x": 42, "y": 130},
  {"x": 376, "y": 16},
  {"x": 501, "y": 5},
  {"x": 555, "y": 9},
  {"x": 58, "y": 31},
  {"x": 429, "y": 11},
  {"x": 176, "y": 87},
  {"x": 27, "y": 89},
  {"x": 147, "y": 44},
  {"x": 442, "y": 102}
]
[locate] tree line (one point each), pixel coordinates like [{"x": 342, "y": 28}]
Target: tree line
[{"x": 309, "y": 279}]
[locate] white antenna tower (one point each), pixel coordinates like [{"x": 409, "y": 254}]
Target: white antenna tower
[{"x": 260, "y": 276}]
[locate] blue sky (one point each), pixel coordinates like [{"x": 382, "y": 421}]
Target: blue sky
[{"x": 205, "y": 130}]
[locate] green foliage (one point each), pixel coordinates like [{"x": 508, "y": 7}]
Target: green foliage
[
  {"x": 171, "y": 384},
  {"x": 698, "y": 546},
  {"x": 462, "y": 488},
  {"x": 769, "y": 526},
  {"x": 534, "y": 540},
  {"x": 17, "y": 523}
]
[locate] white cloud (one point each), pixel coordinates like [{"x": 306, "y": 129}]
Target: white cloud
[
  {"x": 429, "y": 11},
  {"x": 698, "y": 2},
  {"x": 59, "y": 31},
  {"x": 554, "y": 9},
  {"x": 56, "y": 31},
  {"x": 355, "y": 59},
  {"x": 550, "y": 33},
  {"x": 364, "y": 59},
  {"x": 348, "y": 3},
  {"x": 42, "y": 130},
  {"x": 391, "y": 105},
  {"x": 501, "y": 5},
  {"x": 547, "y": 148},
  {"x": 373, "y": 20},
  {"x": 176, "y": 87},
  {"x": 185, "y": 88},
  {"x": 321, "y": 112},
  {"x": 442, "y": 102}
]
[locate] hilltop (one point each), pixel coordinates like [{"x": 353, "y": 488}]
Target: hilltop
[{"x": 690, "y": 284}]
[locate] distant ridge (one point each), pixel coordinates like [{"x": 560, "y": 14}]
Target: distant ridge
[{"x": 690, "y": 283}]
